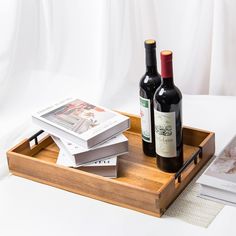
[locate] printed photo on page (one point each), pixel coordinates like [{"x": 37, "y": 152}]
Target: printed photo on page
[{"x": 78, "y": 116}]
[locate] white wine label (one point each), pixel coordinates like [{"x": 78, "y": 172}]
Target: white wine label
[
  {"x": 165, "y": 133},
  {"x": 145, "y": 112}
]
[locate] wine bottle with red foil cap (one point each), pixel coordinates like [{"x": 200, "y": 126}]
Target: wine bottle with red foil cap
[
  {"x": 147, "y": 87},
  {"x": 168, "y": 119}
]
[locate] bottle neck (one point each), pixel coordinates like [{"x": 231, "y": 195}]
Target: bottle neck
[
  {"x": 151, "y": 61},
  {"x": 152, "y": 70},
  {"x": 168, "y": 82}
]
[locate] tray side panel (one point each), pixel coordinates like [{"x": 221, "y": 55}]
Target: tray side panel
[
  {"x": 83, "y": 183},
  {"x": 135, "y": 123},
  {"x": 193, "y": 136},
  {"x": 208, "y": 146}
]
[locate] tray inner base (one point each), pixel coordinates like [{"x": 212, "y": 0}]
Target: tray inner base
[{"x": 134, "y": 168}]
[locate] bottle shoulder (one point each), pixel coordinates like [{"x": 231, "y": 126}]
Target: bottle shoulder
[
  {"x": 150, "y": 78},
  {"x": 168, "y": 95},
  {"x": 150, "y": 83}
]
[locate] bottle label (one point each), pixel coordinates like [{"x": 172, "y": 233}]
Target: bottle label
[
  {"x": 165, "y": 133},
  {"x": 145, "y": 112}
]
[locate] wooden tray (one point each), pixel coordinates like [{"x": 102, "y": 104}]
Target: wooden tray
[{"x": 141, "y": 186}]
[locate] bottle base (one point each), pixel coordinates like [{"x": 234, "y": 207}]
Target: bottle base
[
  {"x": 149, "y": 149},
  {"x": 168, "y": 170},
  {"x": 149, "y": 153},
  {"x": 170, "y": 165}
]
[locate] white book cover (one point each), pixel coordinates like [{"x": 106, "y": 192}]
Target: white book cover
[
  {"x": 221, "y": 173},
  {"x": 218, "y": 195},
  {"x": 117, "y": 145},
  {"x": 66, "y": 160},
  {"x": 105, "y": 167},
  {"x": 81, "y": 122}
]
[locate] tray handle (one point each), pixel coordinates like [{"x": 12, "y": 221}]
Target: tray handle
[
  {"x": 194, "y": 158},
  {"x": 35, "y": 137}
]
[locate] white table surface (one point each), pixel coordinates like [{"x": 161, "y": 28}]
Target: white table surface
[{"x": 29, "y": 208}]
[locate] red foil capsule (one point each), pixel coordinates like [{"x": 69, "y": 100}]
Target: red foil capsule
[{"x": 166, "y": 64}]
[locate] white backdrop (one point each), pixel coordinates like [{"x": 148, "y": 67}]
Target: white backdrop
[{"x": 51, "y": 49}]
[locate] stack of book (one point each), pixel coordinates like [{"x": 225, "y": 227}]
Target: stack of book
[
  {"x": 89, "y": 137},
  {"x": 218, "y": 182}
]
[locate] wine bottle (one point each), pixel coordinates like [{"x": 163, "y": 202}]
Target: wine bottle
[
  {"x": 147, "y": 87},
  {"x": 168, "y": 119}
]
